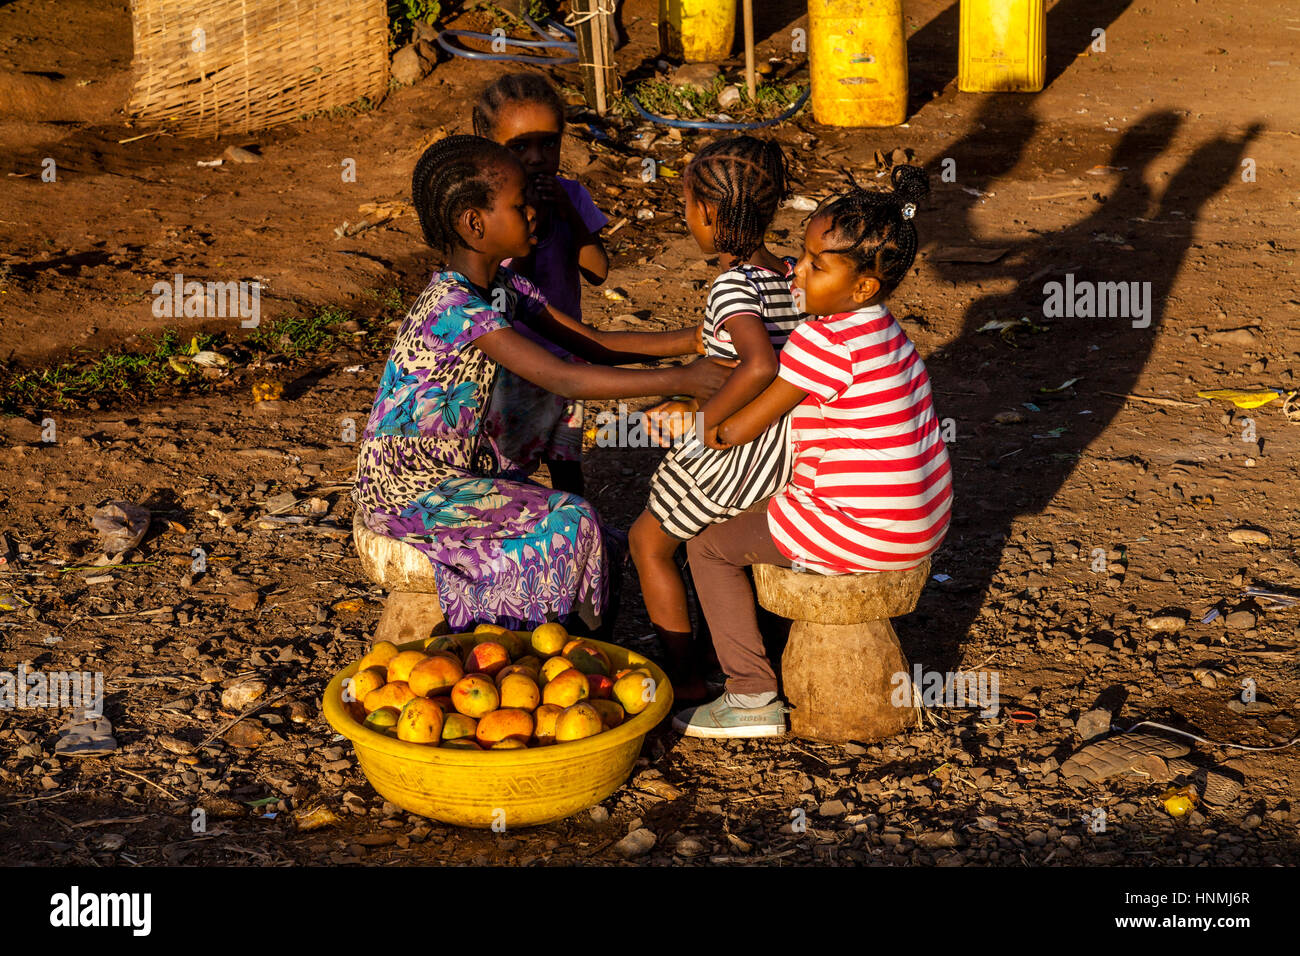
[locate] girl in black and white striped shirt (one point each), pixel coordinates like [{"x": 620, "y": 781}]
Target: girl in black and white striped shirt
[{"x": 733, "y": 188}]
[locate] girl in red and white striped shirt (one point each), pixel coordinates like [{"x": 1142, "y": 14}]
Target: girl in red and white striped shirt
[{"x": 872, "y": 486}]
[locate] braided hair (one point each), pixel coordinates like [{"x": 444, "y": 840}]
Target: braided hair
[
  {"x": 514, "y": 88},
  {"x": 454, "y": 174},
  {"x": 746, "y": 178},
  {"x": 878, "y": 226}
]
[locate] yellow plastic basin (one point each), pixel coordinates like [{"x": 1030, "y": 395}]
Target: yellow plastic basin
[{"x": 511, "y": 788}]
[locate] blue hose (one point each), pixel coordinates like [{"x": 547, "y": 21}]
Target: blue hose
[
  {"x": 702, "y": 124},
  {"x": 567, "y": 46}
]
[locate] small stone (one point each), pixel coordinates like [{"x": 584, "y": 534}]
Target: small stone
[
  {"x": 1166, "y": 623},
  {"x": 1249, "y": 536},
  {"x": 409, "y": 66},
  {"x": 637, "y": 843},
  {"x": 112, "y": 842},
  {"x": 1239, "y": 620},
  {"x": 1242, "y": 338},
  {"x": 690, "y": 846},
  {"x": 237, "y": 154},
  {"x": 242, "y": 693},
  {"x": 1094, "y": 723},
  {"x": 931, "y": 839},
  {"x": 244, "y": 601},
  {"x": 832, "y": 808},
  {"x": 660, "y": 788},
  {"x": 698, "y": 75},
  {"x": 245, "y": 735},
  {"x": 173, "y": 744},
  {"x": 729, "y": 97},
  {"x": 598, "y": 814}
]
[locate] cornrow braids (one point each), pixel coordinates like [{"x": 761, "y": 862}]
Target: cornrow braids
[
  {"x": 514, "y": 88},
  {"x": 454, "y": 174},
  {"x": 746, "y": 178},
  {"x": 878, "y": 225}
]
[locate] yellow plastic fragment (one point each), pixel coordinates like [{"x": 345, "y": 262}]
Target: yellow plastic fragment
[
  {"x": 267, "y": 391},
  {"x": 1243, "y": 398},
  {"x": 1179, "y": 801}
]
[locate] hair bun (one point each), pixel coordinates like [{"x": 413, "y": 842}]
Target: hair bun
[{"x": 911, "y": 184}]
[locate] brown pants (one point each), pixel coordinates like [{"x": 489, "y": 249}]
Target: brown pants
[{"x": 718, "y": 558}]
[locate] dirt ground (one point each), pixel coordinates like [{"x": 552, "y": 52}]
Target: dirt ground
[{"x": 1094, "y": 489}]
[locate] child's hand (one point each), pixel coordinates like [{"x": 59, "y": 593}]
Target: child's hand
[
  {"x": 549, "y": 195},
  {"x": 705, "y": 376},
  {"x": 669, "y": 421},
  {"x": 699, "y": 339},
  {"x": 710, "y": 439}
]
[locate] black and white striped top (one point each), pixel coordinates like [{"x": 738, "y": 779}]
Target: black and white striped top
[{"x": 750, "y": 290}]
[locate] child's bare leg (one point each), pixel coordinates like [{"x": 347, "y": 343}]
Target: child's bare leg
[{"x": 665, "y": 600}]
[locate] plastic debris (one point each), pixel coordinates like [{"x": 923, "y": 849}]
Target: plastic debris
[
  {"x": 1244, "y": 398},
  {"x": 1272, "y": 597},
  {"x": 267, "y": 391},
  {"x": 1179, "y": 801},
  {"x": 314, "y": 818},
  {"x": 1060, "y": 388},
  {"x": 1007, "y": 328},
  {"x": 86, "y": 736},
  {"x": 12, "y": 602},
  {"x": 121, "y": 526}
]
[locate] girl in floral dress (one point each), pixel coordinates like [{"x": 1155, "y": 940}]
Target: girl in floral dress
[{"x": 429, "y": 473}]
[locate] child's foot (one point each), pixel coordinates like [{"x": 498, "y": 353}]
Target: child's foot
[{"x": 720, "y": 719}]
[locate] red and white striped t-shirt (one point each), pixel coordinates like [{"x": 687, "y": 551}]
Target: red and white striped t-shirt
[{"x": 872, "y": 486}]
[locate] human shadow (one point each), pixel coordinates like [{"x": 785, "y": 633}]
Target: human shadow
[{"x": 1135, "y": 235}]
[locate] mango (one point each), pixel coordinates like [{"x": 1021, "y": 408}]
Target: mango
[
  {"x": 383, "y": 720},
  {"x": 566, "y": 689},
  {"x": 548, "y": 639},
  {"x": 520, "y": 691},
  {"x": 577, "y": 722},
  {"x": 380, "y": 653},
  {"x": 393, "y": 694},
  {"x": 420, "y": 722},
  {"x": 365, "y": 681}
]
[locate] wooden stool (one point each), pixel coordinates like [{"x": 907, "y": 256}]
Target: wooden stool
[
  {"x": 412, "y": 611},
  {"x": 839, "y": 665}
]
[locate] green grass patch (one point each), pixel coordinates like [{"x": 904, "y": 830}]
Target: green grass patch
[
  {"x": 114, "y": 374},
  {"x": 297, "y": 335},
  {"x": 662, "y": 98}
]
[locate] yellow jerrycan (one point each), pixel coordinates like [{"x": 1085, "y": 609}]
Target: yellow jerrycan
[
  {"x": 858, "y": 54},
  {"x": 1001, "y": 48},
  {"x": 697, "y": 31}
]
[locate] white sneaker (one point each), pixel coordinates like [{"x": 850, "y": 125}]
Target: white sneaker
[{"x": 720, "y": 719}]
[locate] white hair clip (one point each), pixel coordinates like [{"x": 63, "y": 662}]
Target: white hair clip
[{"x": 909, "y": 210}]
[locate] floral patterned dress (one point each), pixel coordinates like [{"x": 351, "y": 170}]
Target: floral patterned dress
[{"x": 435, "y": 471}]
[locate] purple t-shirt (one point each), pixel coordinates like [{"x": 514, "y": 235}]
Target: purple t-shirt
[{"x": 555, "y": 264}]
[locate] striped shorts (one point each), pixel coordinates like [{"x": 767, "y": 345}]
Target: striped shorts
[{"x": 696, "y": 486}]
